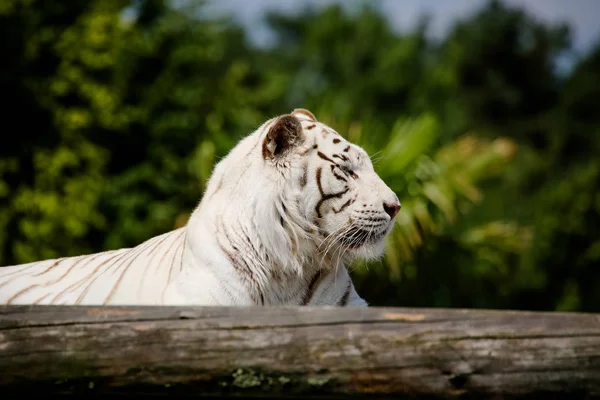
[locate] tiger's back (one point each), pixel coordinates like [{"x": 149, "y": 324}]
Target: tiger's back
[{"x": 110, "y": 277}]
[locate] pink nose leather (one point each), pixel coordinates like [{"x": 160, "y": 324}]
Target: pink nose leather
[{"x": 391, "y": 209}]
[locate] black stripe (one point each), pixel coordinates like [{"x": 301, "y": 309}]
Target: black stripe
[
  {"x": 235, "y": 261},
  {"x": 325, "y": 197},
  {"x": 318, "y": 176},
  {"x": 313, "y": 147},
  {"x": 341, "y": 157},
  {"x": 83, "y": 258},
  {"x": 83, "y": 280},
  {"x": 329, "y": 197},
  {"x": 344, "y": 300},
  {"x": 312, "y": 287},
  {"x": 20, "y": 292},
  {"x": 346, "y": 204},
  {"x": 324, "y": 157},
  {"x": 174, "y": 256},
  {"x": 130, "y": 253},
  {"x": 50, "y": 267},
  {"x": 182, "y": 250},
  {"x": 133, "y": 258},
  {"x": 41, "y": 298},
  {"x": 338, "y": 177},
  {"x": 304, "y": 176},
  {"x": 250, "y": 244},
  {"x": 25, "y": 271}
]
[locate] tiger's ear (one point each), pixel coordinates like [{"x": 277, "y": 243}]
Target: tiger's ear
[
  {"x": 305, "y": 113},
  {"x": 285, "y": 134}
]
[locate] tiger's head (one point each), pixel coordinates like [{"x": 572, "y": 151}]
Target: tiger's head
[
  {"x": 331, "y": 184},
  {"x": 306, "y": 190}
]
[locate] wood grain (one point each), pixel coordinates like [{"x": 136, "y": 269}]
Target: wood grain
[{"x": 284, "y": 352}]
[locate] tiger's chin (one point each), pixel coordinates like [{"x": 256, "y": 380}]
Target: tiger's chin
[
  {"x": 369, "y": 247},
  {"x": 369, "y": 252}
]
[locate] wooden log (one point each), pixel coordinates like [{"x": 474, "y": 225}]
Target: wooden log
[{"x": 283, "y": 352}]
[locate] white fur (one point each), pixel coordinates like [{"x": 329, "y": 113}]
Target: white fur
[{"x": 235, "y": 250}]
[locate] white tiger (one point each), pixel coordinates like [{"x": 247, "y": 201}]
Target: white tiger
[{"x": 283, "y": 214}]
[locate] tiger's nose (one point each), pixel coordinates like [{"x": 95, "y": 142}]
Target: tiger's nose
[{"x": 391, "y": 208}]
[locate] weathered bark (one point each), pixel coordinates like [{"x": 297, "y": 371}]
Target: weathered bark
[{"x": 276, "y": 352}]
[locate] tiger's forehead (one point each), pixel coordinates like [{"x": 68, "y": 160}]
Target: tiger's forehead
[{"x": 327, "y": 137}]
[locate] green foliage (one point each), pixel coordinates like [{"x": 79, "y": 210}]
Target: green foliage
[
  {"x": 189, "y": 91},
  {"x": 117, "y": 112},
  {"x": 56, "y": 173}
]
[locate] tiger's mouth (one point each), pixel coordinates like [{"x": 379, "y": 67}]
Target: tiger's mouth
[{"x": 359, "y": 237}]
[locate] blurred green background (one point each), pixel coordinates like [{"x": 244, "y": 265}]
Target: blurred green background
[{"x": 114, "y": 113}]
